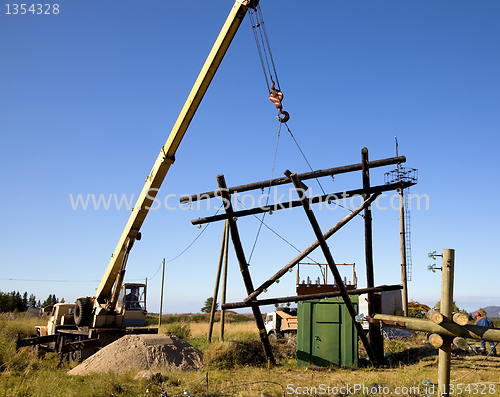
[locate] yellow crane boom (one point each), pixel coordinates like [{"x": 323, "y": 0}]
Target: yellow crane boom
[{"x": 116, "y": 267}]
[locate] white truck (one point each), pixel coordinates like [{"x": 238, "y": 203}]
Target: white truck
[{"x": 281, "y": 323}]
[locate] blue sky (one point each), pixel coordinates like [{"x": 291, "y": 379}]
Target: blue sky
[{"x": 89, "y": 95}]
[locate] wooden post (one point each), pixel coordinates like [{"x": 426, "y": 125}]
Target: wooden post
[
  {"x": 224, "y": 284},
  {"x": 376, "y": 339},
  {"x": 161, "y": 292},
  {"x": 247, "y": 280},
  {"x": 468, "y": 331},
  {"x": 217, "y": 281},
  {"x": 435, "y": 340},
  {"x": 460, "y": 318},
  {"x": 402, "y": 235},
  {"x": 331, "y": 264},
  {"x": 446, "y": 310},
  {"x": 435, "y": 316}
]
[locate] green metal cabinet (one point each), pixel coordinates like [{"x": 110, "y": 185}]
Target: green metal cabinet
[{"x": 325, "y": 333}]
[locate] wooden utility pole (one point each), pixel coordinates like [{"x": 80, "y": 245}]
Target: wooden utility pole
[
  {"x": 447, "y": 328},
  {"x": 376, "y": 340},
  {"x": 161, "y": 292},
  {"x": 448, "y": 269},
  {"x": 217, "y": 281},
  {"x": 402, "y": 234},
  {"x": 245, "y": 273},
  {"x": 224, "y": 284}
]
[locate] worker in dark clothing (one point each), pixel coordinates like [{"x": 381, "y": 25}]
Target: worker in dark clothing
[
  {"x": 132, "y": 299},
  {"x": 484, "y": 321}
]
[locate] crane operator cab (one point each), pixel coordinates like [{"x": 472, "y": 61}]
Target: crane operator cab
[{"x": 132, "y": 304}]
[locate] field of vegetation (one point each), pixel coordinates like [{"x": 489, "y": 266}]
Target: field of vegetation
[{"x": 237, "y": 367}]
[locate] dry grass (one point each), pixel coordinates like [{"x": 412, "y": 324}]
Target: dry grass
[
  {"x": 231, "y": 331},
  {"x": 22, "y": 374}
]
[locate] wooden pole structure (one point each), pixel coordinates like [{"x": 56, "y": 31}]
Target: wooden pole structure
[
  {"x": 303, "y": 177},
  {"x": 161, "y": 291},
  {"x": 296, "y": 203},
  {"x": 300, "y": 298},
  {"x": 224, "y": 283},
  {"x": 310, "y": 249},
  {"x": 446, "y": 310},
  {"x": 247, "y": 280},
  {"x": 402, "y": 234},
  {"x": 217, "y": 281},
  {"x": 331, "y": 264},
  {"x": 435, "y": 316},
  {"x": 452, "y": 330},
  {"x": 375, "y": 335}
]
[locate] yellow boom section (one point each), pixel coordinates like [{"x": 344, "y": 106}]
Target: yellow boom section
[{"x": 167, "y": 152}]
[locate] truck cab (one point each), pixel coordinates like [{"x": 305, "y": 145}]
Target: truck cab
[{"x": 132, "y": 305}]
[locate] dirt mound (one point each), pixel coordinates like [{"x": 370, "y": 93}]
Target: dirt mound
[{"x": 139, "y": 352}]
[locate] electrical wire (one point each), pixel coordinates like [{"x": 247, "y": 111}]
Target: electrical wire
[
  {"x": 188, "y": 247},
  {"x": 475, "y": 368},
  {"x": 50, "y": 281}
]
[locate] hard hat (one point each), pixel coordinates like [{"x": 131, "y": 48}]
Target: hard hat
[{"x": 477, "y": 314}]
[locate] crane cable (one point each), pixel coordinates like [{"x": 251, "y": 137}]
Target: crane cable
[
  {"x": 263, "y": 47},
  {"x": 276, "y": 96},
  {"x": 267, "y": 62}
]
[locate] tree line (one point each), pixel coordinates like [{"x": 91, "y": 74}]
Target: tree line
[{"x": 15, "y": 302}]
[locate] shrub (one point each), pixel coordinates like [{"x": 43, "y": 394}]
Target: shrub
[
  {"x": 227, "y": 355},
  {"x": 180, "y": 330}
]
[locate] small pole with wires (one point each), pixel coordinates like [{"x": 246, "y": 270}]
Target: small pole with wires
[{"x": 161, "y": 292}]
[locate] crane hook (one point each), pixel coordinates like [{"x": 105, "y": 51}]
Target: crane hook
[
  {"x": 276, "y": 97},
  {"x": 285, "y": 117}
]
